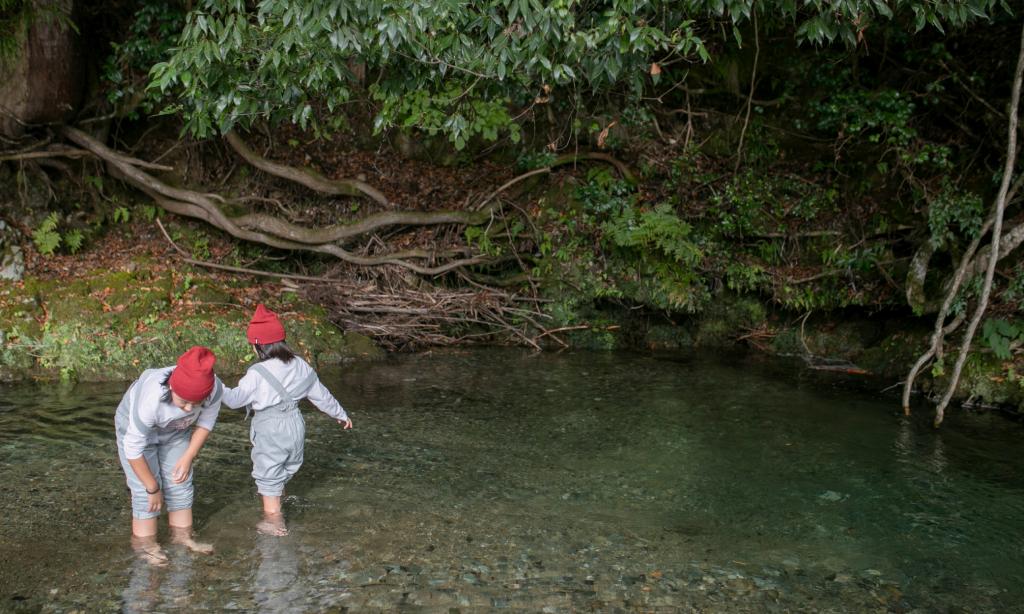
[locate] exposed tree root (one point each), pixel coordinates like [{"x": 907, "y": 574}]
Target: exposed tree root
[
  {"x": 394, "y": 308},
  {"x": 967, "y": 264},
  {"x": 306, "y": 177},
  {"x": 997, "y": 235},
  {"x": 201, "y": 206}
]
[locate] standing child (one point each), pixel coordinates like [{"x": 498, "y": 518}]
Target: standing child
[
  {"x": 157, "y": 445},
  {"x": 272, "y": 388}
]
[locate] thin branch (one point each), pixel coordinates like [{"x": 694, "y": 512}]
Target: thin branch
[
  {"x": 750, "y": 98},
  {"x": 1004, "y": 187}
]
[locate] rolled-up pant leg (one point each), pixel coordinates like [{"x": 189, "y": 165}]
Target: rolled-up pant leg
[
  {"x": 140, "y": 500},
  {"x": 277, "y": 451},
  {"x": 171, "y": 449}
]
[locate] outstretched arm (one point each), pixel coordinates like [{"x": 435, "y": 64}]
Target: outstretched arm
[
  {"x": 242, "y": 394},
  {"x": 322, "y": 398}
]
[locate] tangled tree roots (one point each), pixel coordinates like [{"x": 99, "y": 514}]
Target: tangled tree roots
[{"x": 402, "y": 305}]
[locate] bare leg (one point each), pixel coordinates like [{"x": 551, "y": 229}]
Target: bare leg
[
  {"x": 181, "y": 531},
  {"x": 273, "y": 519},
  {"x": 144, "y": 527},
  {"x": 145, "y": 546}
]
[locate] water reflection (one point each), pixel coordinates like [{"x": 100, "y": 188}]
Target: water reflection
[
  {"x": 486, "y": 480},
  {"x": 277, "y": 585},
  {"x": 154, "y": 588}
]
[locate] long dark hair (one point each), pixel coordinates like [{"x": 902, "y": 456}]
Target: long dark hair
[{"x": 278, "y": 350}]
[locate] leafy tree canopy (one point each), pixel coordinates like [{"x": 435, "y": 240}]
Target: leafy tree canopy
[{"x": 469, "y": 68}]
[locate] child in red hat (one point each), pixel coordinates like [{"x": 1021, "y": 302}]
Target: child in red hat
[
  {"x": 157, "y": 444},
  {"x": 272, "y": 388}
]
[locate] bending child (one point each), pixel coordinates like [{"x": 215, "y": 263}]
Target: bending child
[
  {"x": 157, "y": 445},
  {"x": 272, "y": 388}
]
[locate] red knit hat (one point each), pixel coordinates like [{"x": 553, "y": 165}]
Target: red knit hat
[
  {"x": 264, "y": 327},
  {"x": 192, "y": 379}
]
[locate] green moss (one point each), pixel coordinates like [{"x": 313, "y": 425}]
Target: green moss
[
  {"x": 727, "y": 317},
  {"x": 111, "y": 326},
  {"x": 894, "y": 355},
  {"x": 667, "y": 337}
]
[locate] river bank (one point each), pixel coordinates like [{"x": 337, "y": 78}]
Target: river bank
[
  {"x": 127, "y": 304},
  {"x": 131, "y": 308}
]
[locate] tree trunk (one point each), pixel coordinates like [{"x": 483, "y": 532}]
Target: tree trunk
[{"x": 44, "y": 82}]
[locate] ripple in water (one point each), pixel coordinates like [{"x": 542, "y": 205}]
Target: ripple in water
[{"x": 497, "y": 479}]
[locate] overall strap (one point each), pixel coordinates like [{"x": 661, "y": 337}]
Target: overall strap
[
  {"x": 306, "y": 384},
  {"x": 133, "y": 410},
  {"x": 274, "y": 383},
  {"x": 218, "y": 390}
]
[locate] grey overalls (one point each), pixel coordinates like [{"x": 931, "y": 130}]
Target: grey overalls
[
  {"x": 164, "y": 449},
  {"x": 278, "y": 433}
]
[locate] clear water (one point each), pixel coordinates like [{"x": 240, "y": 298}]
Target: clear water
[{"x": 499, "y": 479}]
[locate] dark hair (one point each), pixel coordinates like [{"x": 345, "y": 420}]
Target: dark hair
[
  {"x": 167, "y": 388},
  {"x": 167, "y": 398},
  {"x": 278, "y": 350}
]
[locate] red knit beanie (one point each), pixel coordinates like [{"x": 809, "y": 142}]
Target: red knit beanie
[
  {"x": 264, "y": 327},
  {"x": 192, "y": 379}
]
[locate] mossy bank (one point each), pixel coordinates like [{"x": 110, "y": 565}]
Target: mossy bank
[{"x": 110, "y": 325}]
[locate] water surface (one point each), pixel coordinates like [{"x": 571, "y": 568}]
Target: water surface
[{"x": 499, "y": 479}]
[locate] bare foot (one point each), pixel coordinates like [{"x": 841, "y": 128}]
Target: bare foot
[
  {"x": 183, "y": 536},
  {"x": 147, "y": 549},
  {"x": 272, "y": 524}
]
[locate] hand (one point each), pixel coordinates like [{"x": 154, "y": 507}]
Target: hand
[
  {"x": 156, "y": 501},
  {"x": 181, "y": 469},
  {"x": 347, "y": 422}
]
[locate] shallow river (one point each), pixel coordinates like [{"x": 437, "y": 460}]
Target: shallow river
[{"x": 495, "y": 479}]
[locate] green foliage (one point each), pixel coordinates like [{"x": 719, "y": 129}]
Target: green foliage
[
  {"x": 998, "y": 335},
  {"x": 73, "y": 239},
  {"x": 645, "y": 255},
  {"x": 531, "y": 160},
  {"x": 200, "y": 245},
  {"x": 456, "y": 67},
  {"x": 756, "y": 202},
  {"x": 828, "y": 21},
  {"x": 954, "y": 212},
  {"x": 657, "y": 245},
  {"x": 479, "y": 239},
  {"x": 451, "y": 68},
  {"x": 604, "y": 194},
  {"x": 1014, "y": 291},
  {"x": 149, "y": 212},
  {"x": 658, "y": 231},
  {"x": 46, "y": 236},
  {"x": 485, "y": 118},
  {"x": 860, "y": 115},
  {"x": 153, "y": 30},
  {"x": 743, "y": 277},
  {"x": 852, "y": 259},
  {"x": 122, "y": 215},
  {"x": 875, "y": 116}
]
